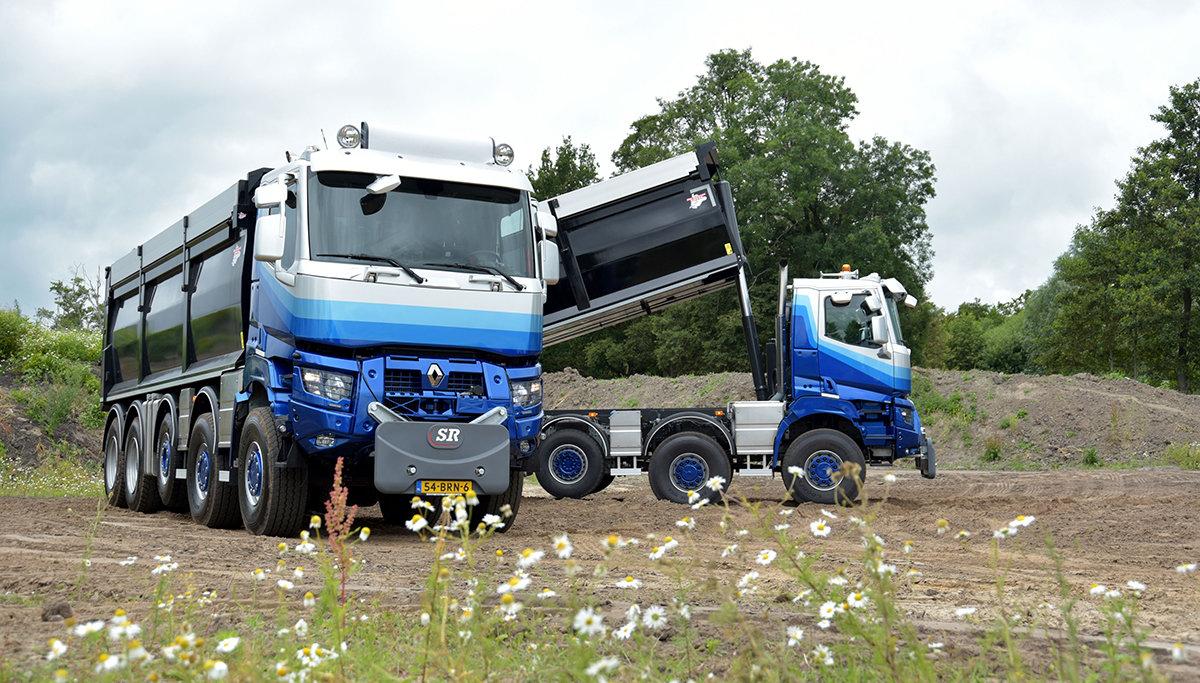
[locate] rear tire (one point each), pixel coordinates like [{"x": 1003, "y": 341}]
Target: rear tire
[
  {"x": 821, "y": 454},
  {"x": 272, "y": 499},
  {"x": 211, "y": 501},
  {"x": 494, "y": 505},
  {"x": 114, "y": 466},
  {"x": 141, "y": 494},
  {"x": 685, "y": 462},
  {"x": 570, "y": 464},
  {"x": 172, "y": 491}
]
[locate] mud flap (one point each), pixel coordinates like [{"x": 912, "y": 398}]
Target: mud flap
[
  {"x": 408, "y": 452},
  {"x": 927, "y": 461}
]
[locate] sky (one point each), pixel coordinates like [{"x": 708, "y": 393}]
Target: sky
[{"x": 118, "y": 118}]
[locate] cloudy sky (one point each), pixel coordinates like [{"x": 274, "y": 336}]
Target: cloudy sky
[{"x": 118, "y": 118}]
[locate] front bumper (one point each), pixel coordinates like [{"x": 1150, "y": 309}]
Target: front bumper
[{"x": 405, "y": 453}]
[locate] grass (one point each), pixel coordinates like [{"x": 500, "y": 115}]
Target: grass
[
  {"x": 483, "y": 614},
  {"x": 62, "y": 473},
  {"x": 1186, "y": 456}
]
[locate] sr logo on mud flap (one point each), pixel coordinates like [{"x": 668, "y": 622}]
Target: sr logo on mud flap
[{"x": 445, "y": 437}]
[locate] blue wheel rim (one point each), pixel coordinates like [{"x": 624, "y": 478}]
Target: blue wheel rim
[
  {"x": 568, "y": 464},
  {"x": 689, "y": 472},
  {"x": 164, "y": 461},
  {"x": 820, "y": 468},
  {"x": 254, "y": 473},
  {"x": 203, "y": 465}
]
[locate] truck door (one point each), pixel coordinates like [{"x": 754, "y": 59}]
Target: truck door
[
  {"x": 641, "y": 241},
  {"x": 847, "y": 356}
]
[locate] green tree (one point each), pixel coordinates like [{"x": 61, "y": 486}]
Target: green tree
[
  {"x": 806, "y": 192},
  {"x": 1123, "y": 295},
  {"x": 568, "y": 167},
  {"x": 78, "y": 303}
]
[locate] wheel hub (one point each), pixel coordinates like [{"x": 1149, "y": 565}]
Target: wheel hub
[
  {"x": 254, "y": 473},
  {"x": 567, "y": 464},
  {"x": 164, "y": 460},
  {"x": 203, "y": 465},
  {"x": 110, "y": 464},
  {"x": 688, "y": 472},
  {"x": 820, "y": 468},
  {"x": 133, "y": 465}
]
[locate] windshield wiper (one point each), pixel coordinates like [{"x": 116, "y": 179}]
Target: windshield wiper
[
  {"x": 379, "y": 259},
  {"x": 481, "y": 269}
]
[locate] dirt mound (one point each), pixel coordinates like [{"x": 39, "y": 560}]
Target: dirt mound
[{"x": 976, "y": 418}]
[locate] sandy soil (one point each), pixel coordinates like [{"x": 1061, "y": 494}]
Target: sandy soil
[{"x": 1112, "y": 525}]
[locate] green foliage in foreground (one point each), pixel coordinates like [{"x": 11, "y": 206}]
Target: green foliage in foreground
[{"x": 536, "y": 614}]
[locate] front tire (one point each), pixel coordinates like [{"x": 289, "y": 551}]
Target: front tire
[
  {"x": 495, "y": 504},
  {"x": 140, "y": 492},
  {"x": 570, "y": 464},
  {"x": 685, "y": 462},
  {"x": 114, "y": 466},
  {"x": 824, "y": 456},
  {"x": 211, "y": 502},
  {"x": 272, "y": 499}
]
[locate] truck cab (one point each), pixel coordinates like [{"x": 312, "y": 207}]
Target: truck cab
[
  {"x": 399, "y": 281},
  {"x": 849, "y": 371}
]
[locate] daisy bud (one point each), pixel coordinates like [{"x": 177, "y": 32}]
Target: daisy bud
[{"x": 364, "y": 533}]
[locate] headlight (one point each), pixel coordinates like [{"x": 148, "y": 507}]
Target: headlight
[
  {"x": 503, "y": 154},
  {"x": 329, "y": 385},
  {"x": 526, "y": 392},
  {"x": 348, "y": 136},
  {"x": 905, "y": 415}
]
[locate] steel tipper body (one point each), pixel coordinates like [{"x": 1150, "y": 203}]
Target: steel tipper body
[
  {"x": 381, "y": 304},
  {"x": 833, "y": 396}
]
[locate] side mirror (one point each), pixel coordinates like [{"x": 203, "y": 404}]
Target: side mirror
[
  {"x": 873, "y": 303},
  {"x": 879, "y": 334},
  {"x": 271, "y": 194},
  {"x": 548, "y": 223},
  {"x": 910, "y": 301},
  {"x": 268, "y": 238},
  {"x": 551, "y": 262}
]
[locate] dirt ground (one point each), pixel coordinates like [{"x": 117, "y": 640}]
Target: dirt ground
[
  {"x": 1037, "y": 422},
  {"x": 1112, "y": 526}
]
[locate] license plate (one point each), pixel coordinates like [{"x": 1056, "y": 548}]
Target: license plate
[{"x": 442, "y": 487}]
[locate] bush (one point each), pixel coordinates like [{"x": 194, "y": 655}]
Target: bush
[
  {"x": 52, "y": 406},
  {"x": 66, "y": 357},
  {"x": 1185, "y": 455},
  {"x": 1091, "y": 458},
  {"x": 992, "y": 450},
  {"x": 13, "y": 328}
]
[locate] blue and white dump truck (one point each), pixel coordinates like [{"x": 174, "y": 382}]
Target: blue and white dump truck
[
  {"x": 385, "y": 302},
  {"x": 831, "y": 396},
  {"x": 381, "y": 302}
]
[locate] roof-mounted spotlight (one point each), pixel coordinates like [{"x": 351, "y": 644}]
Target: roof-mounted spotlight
[
  {"x": 502, "y": 154},
  {"x": 349, "y": 137}
]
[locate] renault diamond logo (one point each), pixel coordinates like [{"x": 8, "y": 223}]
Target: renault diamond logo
[{"x": 435, "y": 374}]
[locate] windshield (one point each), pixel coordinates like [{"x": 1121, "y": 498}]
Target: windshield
[
  {"x": 894, "y": 314},
  {"x": 420, "y": 222}
]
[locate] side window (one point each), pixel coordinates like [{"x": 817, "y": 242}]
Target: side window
[
  {"x": 848, "y": 323},
  {"x": 291, "y": 220}
]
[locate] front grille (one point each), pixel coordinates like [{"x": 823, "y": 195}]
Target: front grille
[
  {"x": 401, "y": 381},
  {"x": 465, "y": 382}
]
